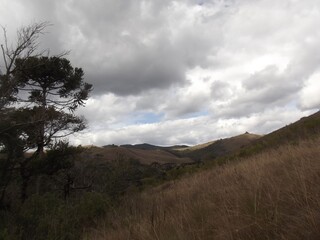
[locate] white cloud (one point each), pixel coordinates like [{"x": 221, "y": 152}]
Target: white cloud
[
  {"x": 189, "y": 131},
  {"x": 184, "y": 71},
  {"x": 309, "y": 95}
]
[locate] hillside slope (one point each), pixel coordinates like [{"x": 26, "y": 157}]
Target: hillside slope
[
  {"x": 273, "y": 195},
  {"x": 147, "y": 146},
  {"x": 144, "y": 156},
  {"x": 305, "y": 128},
  {"x": 180, "y": 154},
  {"x": 219, "y": 148}
]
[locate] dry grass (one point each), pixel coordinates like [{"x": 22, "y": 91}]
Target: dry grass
[
  {"x": 147, "y": 157},
  {"x": 274, "y": 195},
  {"x": 231, "y": 144}
]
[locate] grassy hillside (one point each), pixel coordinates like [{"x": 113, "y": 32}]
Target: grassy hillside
[
  {"x": 179, "y": 154},
  {"x": 196, "y": 147},
  {"x": 305, "y": 128},
  {"x": 145, "y": 156},
  {"x": 219, "y": 148},
  {"x": 273, "y": 195}
]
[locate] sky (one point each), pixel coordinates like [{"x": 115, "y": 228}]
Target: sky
[{"x": 186, "y": 71}]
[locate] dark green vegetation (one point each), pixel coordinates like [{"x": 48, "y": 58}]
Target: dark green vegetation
[{"x": 39, "y": 95}]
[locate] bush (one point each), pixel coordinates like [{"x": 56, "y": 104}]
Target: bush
[{"x": 48, "y": 217}]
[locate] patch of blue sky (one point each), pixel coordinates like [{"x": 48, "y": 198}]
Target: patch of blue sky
[
  {"x": 196, "y": 114},
  {"x": 148, "y": 117}
]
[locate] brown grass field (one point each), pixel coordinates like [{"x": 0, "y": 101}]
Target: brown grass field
[
  {"x": 100, "y": 154},
  {"x": 272, "y": 195}
]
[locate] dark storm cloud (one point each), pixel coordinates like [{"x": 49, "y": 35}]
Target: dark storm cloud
[
  {"x": 138, "y": 69},
  {"x": 148, "y": 52},
  {"x": 128, "y": 47}
]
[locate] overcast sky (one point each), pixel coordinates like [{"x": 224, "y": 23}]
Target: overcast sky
[{"x": 187, "y": 71}]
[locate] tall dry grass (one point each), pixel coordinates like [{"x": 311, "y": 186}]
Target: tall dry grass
[{"x": 274, "y": 195}]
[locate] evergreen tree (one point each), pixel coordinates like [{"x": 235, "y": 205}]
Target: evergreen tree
[{"x": 45, "y": 91}]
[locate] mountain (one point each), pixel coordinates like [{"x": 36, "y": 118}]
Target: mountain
[
  {"x": 178, "y": 154},
  {"x": 273, "y": 195},
  {"x": 146, "y": 146},
  {"x": 142, "y": 146},
  {"x": 241, "y": 145},
  {"x": 145, "y": 154},
  {"x": 248, "y": 144},
  {"x": 219, "y": 148}
]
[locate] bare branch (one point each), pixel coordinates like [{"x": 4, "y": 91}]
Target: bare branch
[{"x": 26, "y": 45}]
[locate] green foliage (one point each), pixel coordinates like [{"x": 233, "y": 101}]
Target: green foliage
[
  {"x": 60, "y": 156},
  {"x": 251, "y": 149},
  {"x": 25, "y": 46},
  {"x": 52, "y": 87},
  {"x": 46, "y": 77},
  {"x": 45, "y": 91},
  {"x": 176, "y": 173},
  {"x": 92, "y": 205},
  {"x": 47, "y": 217}
]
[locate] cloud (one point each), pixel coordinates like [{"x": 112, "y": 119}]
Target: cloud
[
  {"x": 221, "y": 91},
  {"x": 309, "y": 95},
  {"x": 126, "y": 47},
  {"x": 140, "y": 70},
  {"x": 189, "y": 131},
  {"x": 107, "y": 111},
  {"x": 185, "y": 71}
]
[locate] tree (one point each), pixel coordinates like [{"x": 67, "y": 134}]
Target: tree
[
  {"x": 46, "y": 92},
  {"x": 55, "y": 90},
  {"x": 10, "y": 136},
  {"x": 26, "y": 46}
]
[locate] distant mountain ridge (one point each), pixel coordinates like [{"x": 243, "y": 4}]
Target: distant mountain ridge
[
  {"x": 178, "y": 154},
  {"x": 242, "y": 144},
  {"x": 147, "y": 146},
  {"x": 144, "y": 154}
]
